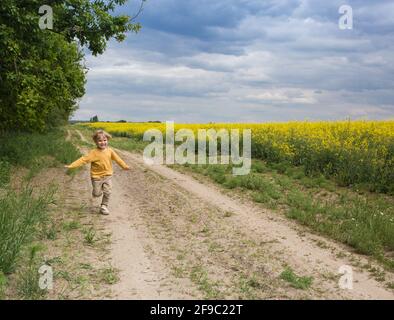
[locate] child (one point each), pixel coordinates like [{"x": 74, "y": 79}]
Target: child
[{"x": 101, "y": 167}]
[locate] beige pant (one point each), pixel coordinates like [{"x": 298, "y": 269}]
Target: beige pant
[{"x": 102, "y": 187}]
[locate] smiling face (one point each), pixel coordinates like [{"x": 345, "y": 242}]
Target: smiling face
[{"x": 102, "y": 142}]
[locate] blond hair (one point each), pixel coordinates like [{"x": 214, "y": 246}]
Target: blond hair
[{"x": 100, "y": 133}]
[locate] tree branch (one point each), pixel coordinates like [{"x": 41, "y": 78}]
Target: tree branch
[{"x": 139, "y": 11}]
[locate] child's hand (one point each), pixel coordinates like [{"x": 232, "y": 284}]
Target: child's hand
[
  {"x": 67, "y": 167},
  {"x": 127, "y": 168}
]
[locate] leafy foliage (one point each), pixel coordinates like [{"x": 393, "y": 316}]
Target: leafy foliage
[{"x": 42, "y": 74}]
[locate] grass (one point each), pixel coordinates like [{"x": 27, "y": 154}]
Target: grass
[
  {"x": 120, "y": 140},
  {"x": 178, "y": 272},
  {"x": 28, "y": 285},
  {"x": 21, "y": 215},
  {"x": 128, "y": 144},
  {"x": 248, "y": 285},
  {"x": 200, "y": 277},
  {"x": 295, "y": 281},
  {"x": 64, "y": 275},
  {"x": 351, "y": 215},
  {"x": 36, "y": 151},
  {"x": 228, "y": 214},
  {"x": 50, "y": 231},
  {"x": 5, "y": 173},
  {"x": 71, "y": 225},
  {"x": 25, "y": 209},
  {"x": 364, "y": 221},
  {"x": 3, "y": 283},
  {"x": 90, "y": 236},
  {"x": 109, "y": 275}
]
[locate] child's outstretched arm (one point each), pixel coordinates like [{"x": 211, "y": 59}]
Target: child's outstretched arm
[
  {"x": 118, "y": 160},
  {"x": 80, "y": 162}
]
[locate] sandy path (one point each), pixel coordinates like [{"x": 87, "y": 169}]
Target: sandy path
[
  {"x": 81, "y": 136},
  {"x": 142, "y": 274},
  {"x": 153, "y": 217},
  {"x": 68, "y": 137}
]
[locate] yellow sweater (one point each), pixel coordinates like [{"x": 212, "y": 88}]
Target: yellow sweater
[{"x": 101, "y": 162}]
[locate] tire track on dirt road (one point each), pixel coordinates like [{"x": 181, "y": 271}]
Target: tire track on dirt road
[
  {"x": 169, "y": 211},
  {"x": 301, "y": 251},
  {"x": 142, "y": 275}
]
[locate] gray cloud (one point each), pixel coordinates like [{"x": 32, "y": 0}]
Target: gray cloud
[{"x": 229, "y": 60}]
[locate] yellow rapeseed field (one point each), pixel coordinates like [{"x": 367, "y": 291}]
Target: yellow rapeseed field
[{"x": 351, "y": 151}]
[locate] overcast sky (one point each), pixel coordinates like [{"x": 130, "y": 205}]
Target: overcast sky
[{"x": 247, "y": 61}]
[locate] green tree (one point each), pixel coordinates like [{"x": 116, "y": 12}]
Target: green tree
[
  {"x": 42, "y": 74},
  {"x": 94, "y": 119}
]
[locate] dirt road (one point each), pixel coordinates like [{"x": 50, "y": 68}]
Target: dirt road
[{"x": 174, "y": 237}]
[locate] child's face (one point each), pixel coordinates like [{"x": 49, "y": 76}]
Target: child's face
[{"x": 102, "y": 142}]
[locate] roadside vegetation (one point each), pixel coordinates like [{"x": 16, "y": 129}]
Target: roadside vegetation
[
  {"x": 361, "y": 219},
  {"x": 41, "y": 223},
  {"x": 345, "y": 211},
  {"x": 25, "y": 211}
]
